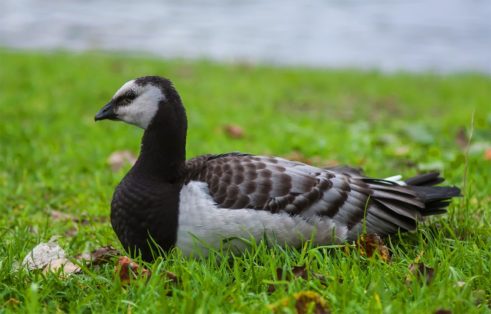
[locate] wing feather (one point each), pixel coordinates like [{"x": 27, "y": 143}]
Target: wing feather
[{"x": 343, "y": 195}]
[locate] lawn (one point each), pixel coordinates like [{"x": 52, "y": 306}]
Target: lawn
[{"x": 54, "y": 158}]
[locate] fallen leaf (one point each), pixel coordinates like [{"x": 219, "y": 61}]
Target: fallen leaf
[
  {"x": 462, "y": 139},
  {"x": 42, "y": 255},
  {"x": 487, "y": 154},
  {"x": 310, "y": 302},
  {"x": 171, "y": 277},
  {"x": 234, "y": 131},
  {"x": 119, "y": 158},
  {"x": 371, "y": 244},
  {"x": 71, "y": 232},
  {"x": 443, "y": 311},
  {"x": 304, "y": 302},
  {"x": 99, "y": 256},
  {"x": 128, "y": 270},
  {"x": 300, "y": 272},
  {"x": 49, "y": 257},
  {"x": 64, "y": 265},
  {"x": 420, "y": 271}
]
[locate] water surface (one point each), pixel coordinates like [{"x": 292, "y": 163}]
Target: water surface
[{"x": 437, "y": 35}]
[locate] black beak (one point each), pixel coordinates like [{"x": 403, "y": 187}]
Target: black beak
[{"x": 107, "y": 112}]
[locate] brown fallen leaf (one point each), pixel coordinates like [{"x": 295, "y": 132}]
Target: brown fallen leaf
[
  {"x": 443, "y": 311},
  {"x": 487, "y": 154},
  {"x": 234, "y": 131},
  {"x": 420, "y": 271},
  {"x": 304, "y": 302},
  {"x": 128, "y": 270},
  {"x": 71, "y": 232},
  {"x": 310, "y": 302},
  {"x": 103, "y": 255},
  {"x": 371, "y": 244},
  {"x": 462, "y": 139},
  {"x": 171, "y": 277},
  {"x": 99, "y": 256},
  {"x": 119, "y": 158}
]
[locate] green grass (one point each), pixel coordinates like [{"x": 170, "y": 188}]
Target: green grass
[{"x": 53, "y": 156}]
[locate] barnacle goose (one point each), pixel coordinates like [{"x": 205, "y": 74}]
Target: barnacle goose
[{"x": 166, "y": 201}]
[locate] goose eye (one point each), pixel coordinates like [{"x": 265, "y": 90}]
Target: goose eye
[{"x": 127, "y": 99}]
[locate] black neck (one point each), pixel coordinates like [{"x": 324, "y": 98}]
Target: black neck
[{"x": 163, "y": 149}]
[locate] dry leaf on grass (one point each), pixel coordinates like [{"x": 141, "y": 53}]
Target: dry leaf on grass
[
  {"x": 71, "y": 232},
  {"x": 304, "y": 302},
  {"x": 43, "y": 254},
  {"x": 128, "y": 270},
  {"x": 49, "y": 257},
  {"x": 99, "y": 256},
  {"x": 371, "y": 244},
  {"x": 234, "y": 131},
  {"x": 64, "y": 265},
  {"x": 420, "y": 271},
  {"x": 171, "y": 277},
  {"x": 443, "y": 311},
  {"x": 119, "y": 158},
  {"x": 487, "y": 154}
]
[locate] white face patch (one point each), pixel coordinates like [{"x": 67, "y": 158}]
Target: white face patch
[{"x": 143, "y": 108}]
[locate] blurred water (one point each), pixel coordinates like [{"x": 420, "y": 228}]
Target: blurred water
[{"x": 418, "y": 35}]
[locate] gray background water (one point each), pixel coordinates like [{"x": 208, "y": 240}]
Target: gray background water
[{"x": 436, "y": 35}]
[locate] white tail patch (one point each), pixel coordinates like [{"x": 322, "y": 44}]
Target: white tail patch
[{"x": 396, "y": 179}]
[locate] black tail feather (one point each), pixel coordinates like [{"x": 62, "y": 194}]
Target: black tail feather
[
  {"x": 435, "y": 198},
  {"x": 426, "y": 179},
  {"x": 403, "y": 205}
]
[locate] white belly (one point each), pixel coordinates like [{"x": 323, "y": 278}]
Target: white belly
[{"x": 202, "y": 225}]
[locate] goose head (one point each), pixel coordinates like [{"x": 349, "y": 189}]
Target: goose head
[{"x": 138, "y": 101}]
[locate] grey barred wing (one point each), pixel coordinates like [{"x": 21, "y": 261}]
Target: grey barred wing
[
  {"x": 342, "y": 194},
  {"x": 278, "y": 185}
]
